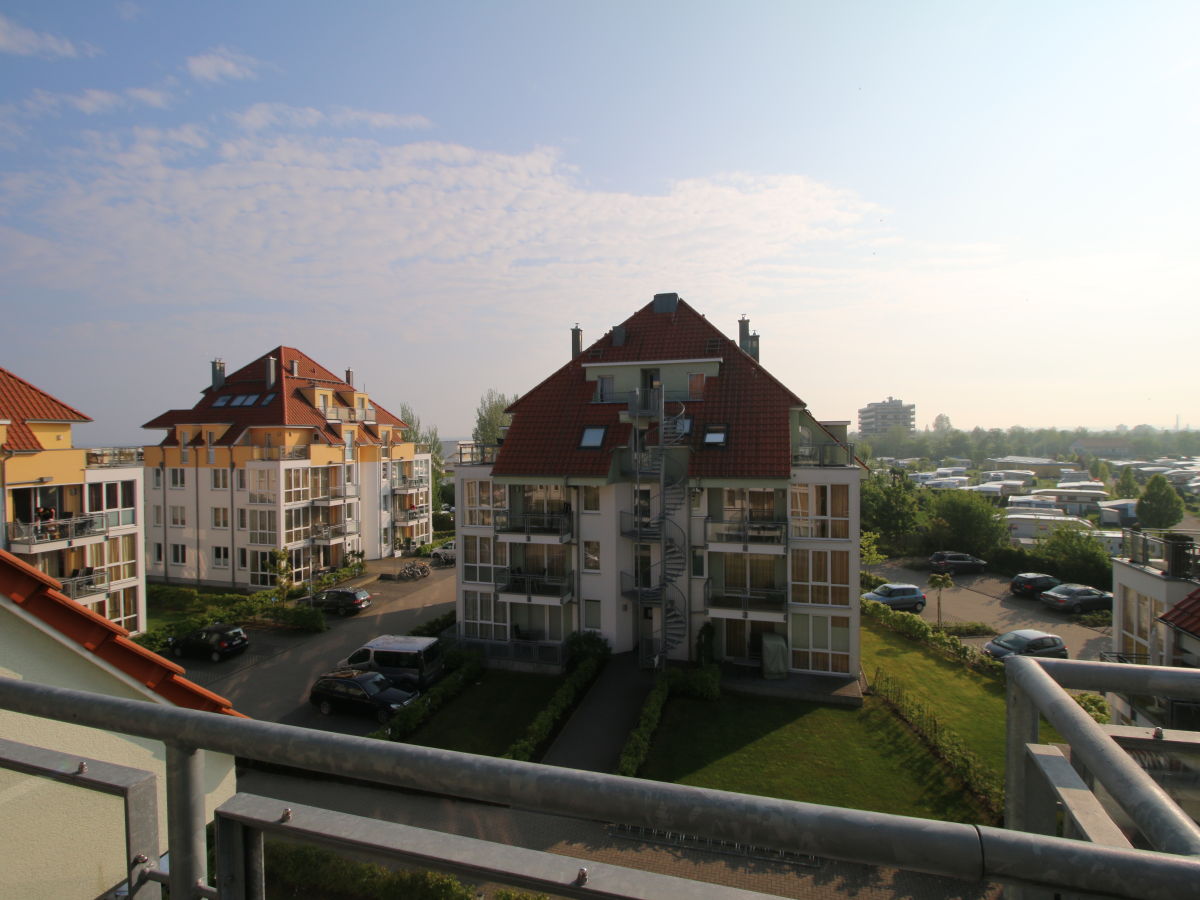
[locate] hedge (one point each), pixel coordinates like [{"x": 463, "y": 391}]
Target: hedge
[
  {"x": 703, "y": 682},
  {"x": 547, "y": 722},
  {"x": 947, "y": 645},
  {"x": 463, "y": 667},
  {"x": 237, "y": 609}
]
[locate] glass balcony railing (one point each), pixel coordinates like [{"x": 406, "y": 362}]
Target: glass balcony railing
[
  {"x": 86, "y": 584},
  {"x": 771, "y": 600},
  {"x": 66, "y": 528},
  {"x": 112, "y": 457},
  {"x": 747, "y": 531},
  {"x": 829, "y": 453}
]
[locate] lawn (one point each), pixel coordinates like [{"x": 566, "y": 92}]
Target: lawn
[
  {"x": 490, "y": 715},
  {"x": 858, "y": 758}
]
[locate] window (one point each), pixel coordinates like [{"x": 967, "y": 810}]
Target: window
[
  {"x": 158, "y": 479},
  {"x": 591, "y": 556},
  {"x": 684, "y": 426},
  {"x": 267, "y": 399},
  {"x": 157, "y": 515},
  {"x": 295, "y": 485},
  {"x": 241, "y": 479},
  {"x": 297, "y": 524},
  {"x": 221, "y": 401},
  {"x": 241, "y": 519},
  {"x": 820, "y": 643},
  {"x": 697, "y": 563},
  {"x": 179, "y": 554},
  {"x": 820, "y": 510},
  {"x": 158, "y": 556},
  {"x": 484, "y": 616},
  {"x": 604, "y": 389},
  {"x": 593, "y": 436},
  {"x": 821, "y": 577},
  {"x": 591, "y": 614},
  {"x": 262, "y": 526},
  {"x": 695, "y": 385},
  {"x": 591, "y": 499},
  {"x": 178, "y": 516},
  {"x": 220, "y": 557},
  {"x": 178, "y": 478},
  {"x": 242, "y": 557},
  {"x": 261, "y": 573},
  {"x": 220, "y": 517},
  {"x": 220, "y": 479},
  {"x": 714, "y": 435}
]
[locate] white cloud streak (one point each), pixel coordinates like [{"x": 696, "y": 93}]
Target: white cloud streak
[
  {"x": 266, "y": 116},
  {"x": 222, "y": 64},
  {"x": 21, "y": 41}
]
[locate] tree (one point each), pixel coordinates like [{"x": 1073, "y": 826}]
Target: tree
[
  {"x": 869, "y": 553},
  {"x": 1127, "y": 486},
  {"x": 942, "y": 423},
  {"x": 965, "y": 521},
  {"x": 491, "y": 417},
  {"x": 281, "y": 574},
  {"x": 1159, "y": 506},
  {"x": 939, "y": 581},
  {"x": 889, "y": 508},
  {"x": 1075, "y": 554},
  {"x": 429, "y": 436}
]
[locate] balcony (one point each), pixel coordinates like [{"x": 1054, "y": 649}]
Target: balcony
[
  {"x": 337, "y": 493},
  {"x": 828, "y": 453},
  {"x": 416, "y": 514},
  {"x": 298, "y": 451},
  {"x": 54, "y": 534},
  {"x": 751, "y": 600},
  {"x": 551, "y": 655},
  {"x": 349, "y": 414},
  {"x": 548, "y": 527},
  {"x": 409, "y": 485},
  {"x": 333, "y": 534},
  {"x": 1174, "y": 553},
  {"x": 89, "y": 584},
  {"x": 475, "y": 455},
  {"x": 114, "y": 457},
  {"x": 747, "y": 531},
  {"x": 548, "y": 590}
]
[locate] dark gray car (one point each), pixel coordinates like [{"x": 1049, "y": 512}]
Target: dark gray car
[
  {"x": 898, "y": 596},
  {"x": 1026, "y": 642}
]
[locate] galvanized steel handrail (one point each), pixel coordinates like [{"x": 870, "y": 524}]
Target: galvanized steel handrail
[{"x": 942, "y": 848}]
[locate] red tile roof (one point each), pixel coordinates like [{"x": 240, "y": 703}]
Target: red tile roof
[
  {"x": 40, "y": 596},
  {"x": 543, "y": 439},
  {"x": 21, "y": 403},
  {"x": 287, "y": 405},
  {"x": 1185, "y": 615}
]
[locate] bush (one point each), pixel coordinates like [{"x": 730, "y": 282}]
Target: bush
[
  {"x": 703, "y": 682},
  {"x": 583, "y": 645},
  {"x": 705, "y": 652},
  {"x": 967, "y": 629},
  {"x": 868, "y": 582},
  {"x": 546, "y": 723},
  {"x": 434, "y": 627},
  {"x": 1095, "y": 706},
  {"x": 1096, "y": 619},
  {"x": 463, "y": 666},
  {"x": 919, "y": 630}
]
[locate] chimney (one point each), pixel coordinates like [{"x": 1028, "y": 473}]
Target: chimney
[
  {"x": 747, "y": 341},
  {"x": 218, "y": 373},
  {"x": 295, "y": 368},
  {"x": 576, "y": 341},
  {"x": 665, "y": 303},
  {"x": 270, "y": 372},
  {"x": 350, "y": 377},
  {"x": 618, "y": 335}
]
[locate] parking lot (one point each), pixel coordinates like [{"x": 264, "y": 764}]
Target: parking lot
[
  {"x": 985, "y": 598},
  {"x": 270, "y": 681}
]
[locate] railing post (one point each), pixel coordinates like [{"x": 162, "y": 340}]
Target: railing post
[{"x": 185, "y": 819}]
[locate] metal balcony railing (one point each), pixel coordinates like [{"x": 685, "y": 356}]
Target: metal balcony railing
[
  {"x": 349, "y": 414},
  {"x": 556, "y": 587},
  {"x": 86, "y": 585},
  {"x": 476, "y": 454},
  {"x": 112, "y": 457},
  {"x": 66, "y": 528},
  {"x": 297, "y": 451},
  {"x": 554, "y": 524},
  {"x": 747, "y": 531},
  {"x": 767, "y": 600},
  {"x": 1174, "y": 553},
  {"x": 828, "y": 453},
  {"x": 970, "y": 853},
  {"x": 409, "y": 484}
]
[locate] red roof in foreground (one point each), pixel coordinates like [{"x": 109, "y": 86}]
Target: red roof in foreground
[
  {"x": 1185, "y": 615},
  {"x": 21, "y": 403},
  {"x": 282, "y": 404},
  {"x": 549, "y": 420},
  {"x": 39, "y": 595}
]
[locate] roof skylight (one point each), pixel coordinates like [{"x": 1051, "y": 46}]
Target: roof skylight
[{"x": 593, "y": 436}]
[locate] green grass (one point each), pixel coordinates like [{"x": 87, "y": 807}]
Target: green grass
[
  {"x": 858, "y": 758},
  {"x": 166, "y": 608},
  {"x": 489, "y": 716}
]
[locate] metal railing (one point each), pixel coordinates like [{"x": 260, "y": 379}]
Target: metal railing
[
  {"x": 412, "y": 515},
  {"x": 112, "y": 457},
  {"x": 298, "y": 451},
  {"x": 752, "y": 531},
  {"x": 67, "y": 528},
  {"x": 1114, "y": 656},
  {"x": 965, "y": 852},
  {"x": 546, "y": 653},
  {"x": 409, "y": 484},
  {"x": 1175, "y": 553},
  {"x": 94, "y": 582},
  {"x": 827, "y": 453},
  {"x": 554, "y": 524},
  {"x": 770, "y": 600},
  {"x": 557, "y": 587},
  {"x": 349, "y": 414},
  {"x": 476, "y": 454}
]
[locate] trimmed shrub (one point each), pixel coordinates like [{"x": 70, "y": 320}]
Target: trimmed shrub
[
  {"x": 705, "y": 640},
  {"x": 917, "y": 629},
  {"x": 703, "y": 683},
  {"x": 967, "y": 629},
  {"x": 434, "y": 627},
  {"x": 1095, "y": 706},
  {"x": 463, "y": 668},
  {"x": 868, "y": 582},
  {"x": 583, "y": 645},
  {"x": 547, "y": 723}
]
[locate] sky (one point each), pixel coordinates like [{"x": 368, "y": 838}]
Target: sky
[{"x": 988, "y": 210}]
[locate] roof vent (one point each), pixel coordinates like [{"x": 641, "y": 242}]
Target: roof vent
[
  {"x": 350, "y": 377},
  {"x": 270, "y": 372},
  {"x": 218, "y": 373},
  {"x": 295, "y": 368},
  {"x": 576, "y": 341},
  {"x": 618, "y": 335},
  {"x": 665, "y": 303}
]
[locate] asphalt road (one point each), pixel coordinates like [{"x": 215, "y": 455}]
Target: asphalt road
[
  {"x": 270, "y": 681},
  {"x": 985, "y": 598}
]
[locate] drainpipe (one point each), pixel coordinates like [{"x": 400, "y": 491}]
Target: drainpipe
[
  {"x": 232, "y": 524},
  {"x": 5, "y": 456},
  {"x": 196, "y": 479},
  {"x": 162, "y": 486}
]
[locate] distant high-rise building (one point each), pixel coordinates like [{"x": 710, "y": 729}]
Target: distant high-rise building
[{"x": 878, "y": 418}]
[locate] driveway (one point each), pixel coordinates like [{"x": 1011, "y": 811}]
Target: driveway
[
  {"x": 270, "y": 681},
  {"x": 985, "y": 598}
]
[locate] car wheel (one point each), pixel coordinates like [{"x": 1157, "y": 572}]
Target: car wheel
[
  {"x": 343, "y": 610},
  {"x": 918, "y": 606},
  {"x": 1076, "y": 609},
  {"x": 215, "y": 656},
  {"x": 325, "y": 707},
  {"x": 177, "y": 652},
  {"x": 383, "y": 716}
]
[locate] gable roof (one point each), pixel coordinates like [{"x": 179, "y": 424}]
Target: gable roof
[
  {"x": 40, "y": 596},
  {"x": 22, "y": 403},
  {"x": 548, "y": 422},
  {"x": 281, "y": 405},
  {"x": 1185, "y": 615}
]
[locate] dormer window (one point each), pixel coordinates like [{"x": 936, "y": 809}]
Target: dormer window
[
  {"x": 221, "y": 401},
  {"x": 593, "y": 436},
  {"x": 714, "y": 435},
  {"x": 267, "y": 399}
]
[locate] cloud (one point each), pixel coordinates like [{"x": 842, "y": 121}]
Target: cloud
[
  {"x": 263, "y": 116},
  {"x": 128, "y": 11},
  {"x": 222, "y": 64},
  {"x": 90, "y": 102},
  {"x": 159, "y": 99},
  {"x": 21, "y": 41}
]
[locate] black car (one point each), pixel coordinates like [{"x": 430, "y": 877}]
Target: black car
[
  {"x": 342, "y": 601},
  {"x": 1026, "y": 642},
  {"x": 217, "y": 642},
  {"x": 356, "y": 691},
  {"x": 950, "y": 561},
  {"x": 1076, "y": 598},
  {"x": 1031, "y": 584}
]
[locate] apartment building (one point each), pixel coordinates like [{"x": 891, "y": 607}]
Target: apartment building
[
  {"x": 1156, "y": 621},
  {"x": 71, "y": 513},
  {"x": 280, "y": 455},
  {"x": 881, "y": 417},
  {"x": 660, "y": 481}
]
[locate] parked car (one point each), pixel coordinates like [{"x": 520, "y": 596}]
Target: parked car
[
  {"x": 1076, "y": 598},
  {"x": 216, "y": 642},
  {"x": 342, "y": 601},
  {"x": 408, "y": 661},
  {"x": 958, "y": 563},
  {"x": 898, "y": 596},
  {"x": 446, "y": 554},
  {"x": 1026, "y": 642},
  {"x": 356, "y": 691},
  {"x": 1031, "y": 584}
]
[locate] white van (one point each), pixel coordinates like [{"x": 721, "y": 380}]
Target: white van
[{"x": 405, "y": 660}]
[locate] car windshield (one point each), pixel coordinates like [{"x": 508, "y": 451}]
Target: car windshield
[
  {"x": 884, "y": 590},
  {"x": 361, "y": 595},
  {"x": 374, "y": 683},
  {"x": 1013, "y": 641}
]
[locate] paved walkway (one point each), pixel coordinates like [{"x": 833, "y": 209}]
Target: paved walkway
[{"x": 595, "y": 734}]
